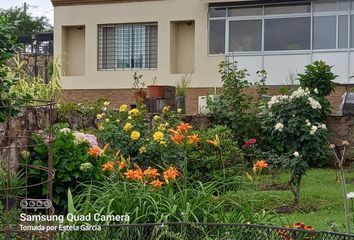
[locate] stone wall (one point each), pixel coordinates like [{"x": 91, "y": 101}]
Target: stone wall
[
  {"x": 124, "y": 96},
  {"x": 343, "y": 130}
]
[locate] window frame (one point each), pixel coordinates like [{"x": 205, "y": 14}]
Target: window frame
[
  {"x": 349, "y": 13},
  {"x": 100, "y": 42}
]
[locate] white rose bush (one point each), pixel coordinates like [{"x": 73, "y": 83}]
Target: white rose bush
[{"x": 294, "y": 130}]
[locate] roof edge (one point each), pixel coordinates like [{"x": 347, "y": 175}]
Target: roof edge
[{"x": 57, "y": 3}]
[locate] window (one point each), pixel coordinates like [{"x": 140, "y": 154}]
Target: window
[
  {"x": 127, "y": 46},
  {"x": 217, "y": 37},
  {"x": 317, "y": 25},
  {"x": 343, "y": 31},
  {"x": 352, "y": 31},
  {"x": 287, "y": 34},
  {"x": 245, "y": 36},
  {"x": 324, "y": 32}
]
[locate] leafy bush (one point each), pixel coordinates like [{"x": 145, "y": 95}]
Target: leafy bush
[
  {"x": 234, "y": 104},
  {"x": 236, "y": 108},
  {"x": 293, "y": 129},
  {"x": 76, "y": 158},
  {"x": 206, "y": 164},
  {"x": 319, "y": 79}
]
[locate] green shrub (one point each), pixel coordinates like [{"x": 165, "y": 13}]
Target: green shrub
[
  {"x": 71, "y": 162},
  {"x": 205, "y": 163},
  {"x": 234, "y": 104},
  {"x": 319, "y": 79}
]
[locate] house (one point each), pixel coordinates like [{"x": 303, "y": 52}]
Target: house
[{"x": 103, "y": 42}]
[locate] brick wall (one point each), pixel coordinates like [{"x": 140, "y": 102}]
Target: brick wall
[{"x": 120, "y": 96}]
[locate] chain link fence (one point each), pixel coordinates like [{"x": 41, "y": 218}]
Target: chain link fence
[{"x": 181, "y": 231}]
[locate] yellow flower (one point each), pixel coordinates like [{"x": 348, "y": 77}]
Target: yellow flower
[
  {"x": 100, "y": 127},
  {"x": 127, "y": 127},
  {"x": 142, "y": 150},
  {"x": 162, "y": 127},
  {"x": 163, "y": 143},
  {"x": 179, "y": 110},
  {"x": 117, "y": 121},
  {"x": 100, "y": 116},
  {"x": 166, "y": 109},
  {"x": 215, "y": 142},
  {"x": 106, "y": 103},
  {"x": 134, "y": 112},
  {"x": 106, "y": 120},
  {"x": 157, "y": 118},
  {"x": 123, "y": 108},
  {"x": 135, "y": 135},
  {"x": 158, "y": 136}
]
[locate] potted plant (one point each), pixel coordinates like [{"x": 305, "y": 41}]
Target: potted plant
[
  {"x": 154, "y": 90},
  {"x": 139, "y": 92},
  {"x": 181, "y": 90}
]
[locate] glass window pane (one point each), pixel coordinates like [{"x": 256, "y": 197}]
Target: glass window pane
[
  {"x": 235, "y": 12},
  {"x": 107, "y": 44},
  {"x": 245, "y": 36},
  {"x": 217, "y": 37},
  {"x": 352, "y": 7},
  {"x": 343, "y": 5},
  {"x": 352, "y": 31},
  {"x": 284, "y": 9},
  {"x": 287, "y": 34},
  {"x": 324, "y": 32},
  {"x": 328, "y": 6},
  {"x": 343, "y": 32},
  {"x": 217, "y": 12}
]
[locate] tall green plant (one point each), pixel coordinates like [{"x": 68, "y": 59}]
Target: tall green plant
[
  {"x": 8, "y": 48},
  {"x": 319, "y": 79},
  {"x": 234, "y": 106},
  {"x": 181, "y": 87}
]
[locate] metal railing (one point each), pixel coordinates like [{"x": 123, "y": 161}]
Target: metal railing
[{"x": 181, "y": 231}]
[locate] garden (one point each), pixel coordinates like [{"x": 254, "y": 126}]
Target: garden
[{"x": 262, "y": 170}]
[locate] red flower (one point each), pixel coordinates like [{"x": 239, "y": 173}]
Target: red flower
[{"x": 250, "y": 142}]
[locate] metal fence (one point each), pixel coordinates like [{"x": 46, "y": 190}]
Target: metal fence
[{"x": 183, "y": 231}]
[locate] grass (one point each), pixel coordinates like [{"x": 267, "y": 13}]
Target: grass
[{"x": 321, "y": 204}]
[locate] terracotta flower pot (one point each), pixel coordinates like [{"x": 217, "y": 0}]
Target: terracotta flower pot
[{"x": 155, "y": 91}]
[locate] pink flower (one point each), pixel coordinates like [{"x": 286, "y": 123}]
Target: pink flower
[{"x": 92, "y": 140}]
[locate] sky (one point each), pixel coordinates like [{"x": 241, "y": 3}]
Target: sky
[{"x": 36, "y": 7}]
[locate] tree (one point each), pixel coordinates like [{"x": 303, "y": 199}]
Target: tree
[{"x": 26, "y": 24}]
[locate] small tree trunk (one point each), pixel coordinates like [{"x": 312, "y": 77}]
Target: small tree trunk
[{"x": 295, "y": 187}]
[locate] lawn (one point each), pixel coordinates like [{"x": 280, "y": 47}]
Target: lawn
[{"x": 321, "y": 200}]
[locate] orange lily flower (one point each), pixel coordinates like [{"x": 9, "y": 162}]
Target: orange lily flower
[
  {"x": 193, "y": 139},
  {"x": 151, "y": 172},
  {"x": 157, "y": 184},
  {"x": 122, "y": 165},
  {"x": 177, "y": 138},
  {"x": 309, "y": 228},
  {"x": 171, "y": 173},
  {"x": 136, "y": 174},
  {"x": 184, "y": 127},
  {"x": 95, "y": 152},
  {"x": 108, "y": 166},
  {"x": 260, "y": 164}
]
